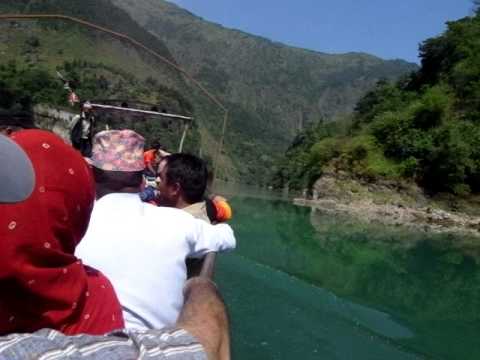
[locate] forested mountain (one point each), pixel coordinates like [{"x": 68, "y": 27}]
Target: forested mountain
[
  {"x": 272, "y": 91},
  {"x": 424, "y": 127}
]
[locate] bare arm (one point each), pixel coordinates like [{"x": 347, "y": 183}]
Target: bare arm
[
  {"x": 151, "y": 168},
  {"x": 201, "y": 267},
  {"x": 204, "y": 316},
  {"x": 208, "y": 266}
]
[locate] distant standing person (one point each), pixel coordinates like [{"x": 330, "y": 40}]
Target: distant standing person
[{"x": 82, "y": 130}]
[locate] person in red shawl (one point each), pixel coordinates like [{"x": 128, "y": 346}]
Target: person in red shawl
[{"x": 42, "y": 284}]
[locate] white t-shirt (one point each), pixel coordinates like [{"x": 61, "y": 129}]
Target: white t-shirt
[
  {"x": 86, "y": 125},
  {"x": 142, "y": 249}
]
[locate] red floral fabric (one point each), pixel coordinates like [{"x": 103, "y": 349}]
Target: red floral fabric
[{"x": 42, "y": 284}]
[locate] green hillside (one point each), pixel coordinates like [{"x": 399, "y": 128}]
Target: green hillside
[
  {"x": 98, "y": 66},
  {"x": 423, "y": 128},
  {"x": 272, "y": 90}
]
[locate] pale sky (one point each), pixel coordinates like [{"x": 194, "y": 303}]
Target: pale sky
[{"x": 385, "y": 28}]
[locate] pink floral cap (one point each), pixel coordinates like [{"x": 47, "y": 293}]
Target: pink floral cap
[{"x": 118, "y": 150}]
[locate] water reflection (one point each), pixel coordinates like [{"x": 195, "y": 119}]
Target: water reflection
[{"x": 418, "y": 290}]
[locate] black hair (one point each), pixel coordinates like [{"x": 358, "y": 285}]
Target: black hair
[
  {"x": 211, "y": 210},
  {"x": 190, "y": 172},
  {"x": 158, "y": 146},
  {"x": 116, "y": 181},
  {"x": 19, "y": 119}
]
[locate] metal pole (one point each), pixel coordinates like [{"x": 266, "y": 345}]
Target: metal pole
[
  {"x": 139, "y": 111},
  {"x": 184, "y": 135},
  {"x": 220, "y": 147}
]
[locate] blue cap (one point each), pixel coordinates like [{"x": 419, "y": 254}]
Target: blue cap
[{"x": 17, "y": 177}]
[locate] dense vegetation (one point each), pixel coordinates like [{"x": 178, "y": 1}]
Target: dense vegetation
[
  {"x": 424, "y": 127},
  {"x": 23, "y": 86}
]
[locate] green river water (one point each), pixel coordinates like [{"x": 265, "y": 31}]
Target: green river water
[{"x": 304, "y": 285}]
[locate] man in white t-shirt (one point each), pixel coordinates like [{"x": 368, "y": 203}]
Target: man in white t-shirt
[{"x": 140, "y": 247}]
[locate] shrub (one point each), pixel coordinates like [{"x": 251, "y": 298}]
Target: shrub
[
  {"x": 409, "y": 167},
  {"x": 324, "y": 150}
]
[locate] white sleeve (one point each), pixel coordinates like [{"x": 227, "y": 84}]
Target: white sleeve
[
  {"x": 74, "y": 121},
  {"x": 209, "y": 238}
]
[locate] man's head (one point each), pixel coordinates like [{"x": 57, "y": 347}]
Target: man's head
[
  {"x": 108, "y": 182},
  {"x": 182, "y": 180},
  {"x": 160, "y": 149},
  {"x": 87, "y": 107},
  {"x": 11, "y": 121},
  {"x": 117, "y": 161},
  {"x": 156, "y": 145}
]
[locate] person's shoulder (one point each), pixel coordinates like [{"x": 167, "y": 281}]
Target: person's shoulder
[
  {"x": 199, "y": 210},
  {"x": 168, "y": 212}
]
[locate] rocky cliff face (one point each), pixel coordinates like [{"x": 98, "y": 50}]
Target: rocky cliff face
[
  {"x": 387, "y": 202},
  {"x": 58, "y": 121}
]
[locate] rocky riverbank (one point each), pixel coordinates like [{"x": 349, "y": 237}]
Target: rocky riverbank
[{"x": 392, "y": 203}]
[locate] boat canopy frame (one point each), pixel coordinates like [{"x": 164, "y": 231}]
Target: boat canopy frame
[{"x": 186, "y": 120}]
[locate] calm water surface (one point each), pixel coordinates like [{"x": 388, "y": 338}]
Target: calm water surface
[{"x": 303, "y": 285}]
